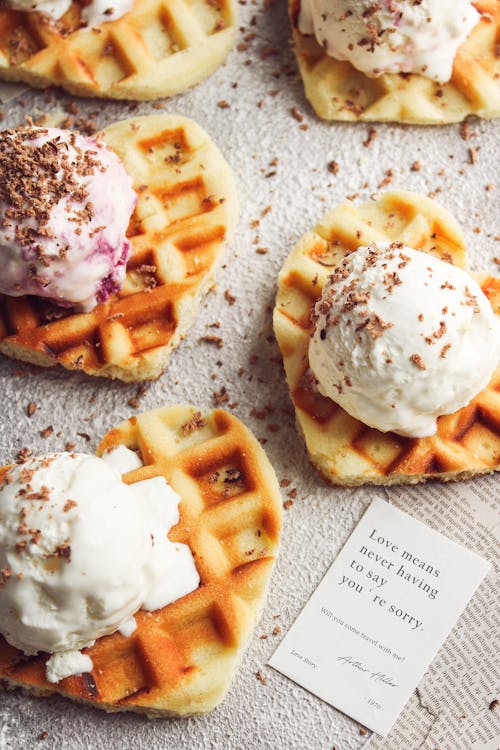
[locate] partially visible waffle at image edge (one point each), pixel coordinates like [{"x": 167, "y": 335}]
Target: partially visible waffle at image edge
[
  {"x": 337, "y": 91},
  {"x": 157, "y": 49},
  {"x": 186, "y": 211},
  {"x": 182, "y": 658},
  {"x": 343, "y": 449}
]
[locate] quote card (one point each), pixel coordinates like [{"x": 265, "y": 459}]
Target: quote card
[{"x": 379, "y": 616}]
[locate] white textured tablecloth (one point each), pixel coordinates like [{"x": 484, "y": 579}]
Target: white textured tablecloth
[{"x": 279, "y": 164}]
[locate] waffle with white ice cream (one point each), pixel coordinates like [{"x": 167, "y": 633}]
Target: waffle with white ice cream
[
  {"x": 398, "y": 372},
  {"x": 127, "y": 49},
  {"x": 432, "y": 62},
  {"x": 176, "y": 660},
  {"x": 186, "y": 210},
  {"x": 81, "y": 552}
]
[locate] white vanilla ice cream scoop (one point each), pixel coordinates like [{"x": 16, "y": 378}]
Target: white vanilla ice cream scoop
[
  {"x": 391, "y": 36},
  {"x": 402, "y": 338},
  {"x": 99, "y": 11},
  {"x": 96, "y": 12},
  {"x": 81, "y": 552},
  {"x": 65, "y": 205},
  {"x": 54, "y": 8}
]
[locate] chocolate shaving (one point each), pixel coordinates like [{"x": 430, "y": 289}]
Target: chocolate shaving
[
  {"x": 195, "y": 423},
  {"x": 35, "y": 176},
  {"x": 418, "y": 361}
]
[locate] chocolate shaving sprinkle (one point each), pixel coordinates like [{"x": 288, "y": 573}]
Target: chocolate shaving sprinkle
[
  {"x": 372, "y": 134},
  {"x": 69, "y": 504},
  {"x": 230, "y": 298},
  {"x": 216, "y": 340},
  {"x": 471, "y": 300},
  {"x": 464, "y": 130},
  {"x": 441, "y": 330},
  {"x": 64, "y": 551},
  {"x": 33, "y": 178},
  {"x": 220, "y": 397},
  {"x": 26, "y": 475},
  {"x": 36, "y": 535},
  {"x": 195, "y": 423},
  {"x": 374, "y": 325},
  {"x": 418, "y": 361},
  {"x": 391, "y": 279},
  {"x": 42, "y": 494},
  {"x": 472, "y": 155},
  {"x": 233, "y": 475},
  {"x": 387, "y": 179},
  {"x": 23, "y": 455}
]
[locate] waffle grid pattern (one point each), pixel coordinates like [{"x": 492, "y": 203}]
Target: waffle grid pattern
[
  {"x": 186, "y": 209},
  {"x": 337, "y": 91},
  {"x": 181, "y": 659},
  {"x": 344, "y": 450},
  {"x": 159, "y": 48}
]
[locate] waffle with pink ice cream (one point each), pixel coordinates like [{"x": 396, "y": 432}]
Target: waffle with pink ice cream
[
  {"x": 65, "y": 205},
  {"x": 186, "y": 211}
]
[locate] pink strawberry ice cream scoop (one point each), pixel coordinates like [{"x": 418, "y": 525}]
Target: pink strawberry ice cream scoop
[{"x": 65, "y": 205}]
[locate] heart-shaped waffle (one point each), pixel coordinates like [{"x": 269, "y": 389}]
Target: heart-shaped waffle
[
  {"x": 344, "y": 450},
  {"x": 187, "y": 208},
  {"x": 182, "y": 658},
  {"x": 337, "y": 91},
  {"x": 157, "y": 49}
]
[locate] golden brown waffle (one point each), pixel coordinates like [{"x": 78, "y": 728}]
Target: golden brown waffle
[
  {"x": 159, "y": 48},
  {"x": 337, "y": 91},
  {"x": 187, "y": 207},
  {"x": 344, "y": 450},
  {"x": 182, "y": 658}
]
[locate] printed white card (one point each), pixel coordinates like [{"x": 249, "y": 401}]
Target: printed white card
[{"x": 379, "y": 616}]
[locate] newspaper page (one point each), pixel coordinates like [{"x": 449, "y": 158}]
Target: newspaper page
[{"x": 455, "y": 706}]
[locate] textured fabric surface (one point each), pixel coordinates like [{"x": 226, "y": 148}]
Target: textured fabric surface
[{"x": 281, "y": 164}]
